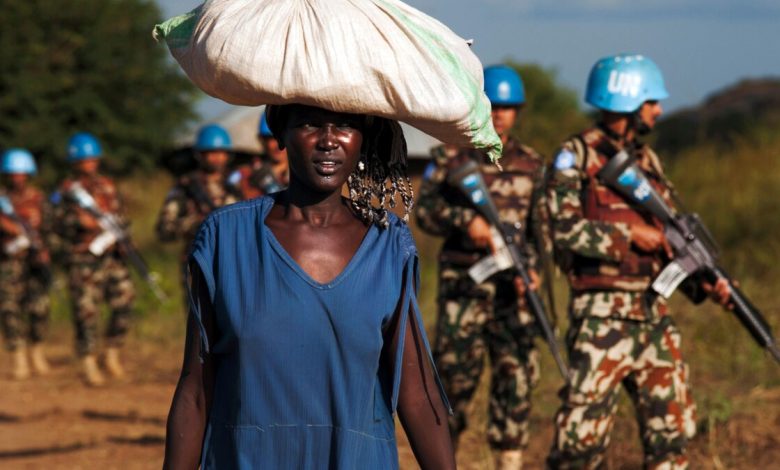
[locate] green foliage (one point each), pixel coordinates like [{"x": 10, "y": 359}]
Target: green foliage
[
  {"x": 551, "y": 112},
  {"x": 90, "y": 65}
]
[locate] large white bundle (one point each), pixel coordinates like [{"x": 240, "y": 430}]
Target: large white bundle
[{"x": 378, "y": 57}]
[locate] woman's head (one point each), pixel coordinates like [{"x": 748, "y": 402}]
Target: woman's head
[{"x": 327, "y": 149}]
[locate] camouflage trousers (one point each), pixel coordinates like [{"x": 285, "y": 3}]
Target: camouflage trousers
[
  {"x": 22, "y": 292},
  {"x": 93, "y": 281},
  {"x": 643, "y": 356},
  {"x": 475, "y": 320}
]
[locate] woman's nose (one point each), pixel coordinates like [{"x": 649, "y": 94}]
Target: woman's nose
[{"x": 327, "y": 138}]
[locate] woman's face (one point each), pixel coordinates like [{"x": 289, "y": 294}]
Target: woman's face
[{"x": 323, "y": 147}]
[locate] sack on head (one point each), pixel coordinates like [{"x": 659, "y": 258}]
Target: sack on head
[{"x": 376, "y": 57}]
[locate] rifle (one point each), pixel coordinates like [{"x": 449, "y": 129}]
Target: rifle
[
  {"x": 114, "y": 233},
  {"x": 198, "y": 194},
  {"x": 695, "y": 251},
  {"x": 468, "y": 179},
  {"x": 27, "y": 239}
]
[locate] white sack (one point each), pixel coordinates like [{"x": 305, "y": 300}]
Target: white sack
[{"x": 378, "y": 57}]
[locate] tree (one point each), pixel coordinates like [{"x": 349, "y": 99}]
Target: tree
[
  {"x": 551, "y": 112},
  {"x": 89, "y": 65}
]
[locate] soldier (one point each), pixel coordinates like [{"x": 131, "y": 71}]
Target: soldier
[
  {"x": 96, "y": 269},
  {"x": 487, "y": 317},
  {"x": 619, "y": 333},
  {"x": 262, "y": 176},
  {"x": 198, "y": 193},
  {"x": 274, "y": 154},
  {"x": 24, "y": 264}
]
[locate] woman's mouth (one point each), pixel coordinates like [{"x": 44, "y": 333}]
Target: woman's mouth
[{"x": 327, "y": 167}]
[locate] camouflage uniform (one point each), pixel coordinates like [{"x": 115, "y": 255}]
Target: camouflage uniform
[
  {"x": 187, "y": 204},
  {"x": 488, "y": 317},
  {"x": 254, "y": 180},
  {"x": 93, "y": 279},
  {"x": 619, "y": 332},
  {"x": 25, "y": 274}
]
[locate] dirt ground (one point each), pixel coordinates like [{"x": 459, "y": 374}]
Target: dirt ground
[{"x": 56, "y": 422}]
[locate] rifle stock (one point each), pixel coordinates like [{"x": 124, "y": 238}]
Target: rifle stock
[
  {"x": 469, "y": 180},
  {"x": 694, "y": 249}
]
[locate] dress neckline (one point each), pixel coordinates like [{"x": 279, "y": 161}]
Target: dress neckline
[{"x": 290, "y": 261}]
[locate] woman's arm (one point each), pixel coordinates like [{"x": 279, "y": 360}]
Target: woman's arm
[
  {"x": 192, "y": 400},
  {"x": 420, "y": 407}
]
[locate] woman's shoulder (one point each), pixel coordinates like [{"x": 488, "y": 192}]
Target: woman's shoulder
[{"x": 398, "y": 231}]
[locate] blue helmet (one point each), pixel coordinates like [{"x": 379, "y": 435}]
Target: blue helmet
[
  {"x": 18, "y": 160},
  {"x": 212, "y": 137},
  {"x": 623, "y": 82},
  {"x": 83, "y": 146},
  {"x": 503, "y": 86},
  {"x": 263, "y": 130}
]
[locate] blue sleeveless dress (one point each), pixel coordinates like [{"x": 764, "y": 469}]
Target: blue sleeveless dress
[{"x": 298, "y": 377}]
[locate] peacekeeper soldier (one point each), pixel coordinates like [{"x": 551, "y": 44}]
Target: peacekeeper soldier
[
  {"x": 262, "y": 175},
  {"x": 488, "y": 317},
  {"x": 619, "y": 332},
  {"x": 94, "y": 261},
  {"x": 199, "y": 192},
  {"x": 24, "y": 264}
]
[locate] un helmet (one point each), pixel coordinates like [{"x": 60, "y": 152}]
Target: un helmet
[
  {"x": 213, "y": 137},
  {"x": 83, "y": 146},
  {"x": 17, "y": 160},
  {"x": 262, "y": 129},
  {"x": 503, "y": 86},
  {"x": 623, "y": 82}
]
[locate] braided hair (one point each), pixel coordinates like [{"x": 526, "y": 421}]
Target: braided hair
[{"x": 380, "y": 176}]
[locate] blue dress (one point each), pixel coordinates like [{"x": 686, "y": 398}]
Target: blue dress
[{"x": 298, "y": 378}]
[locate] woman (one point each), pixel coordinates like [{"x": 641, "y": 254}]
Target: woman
[{"x": 305, "y": 334}]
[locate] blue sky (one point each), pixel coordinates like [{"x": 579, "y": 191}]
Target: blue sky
[{"x": 701, "y": 45}]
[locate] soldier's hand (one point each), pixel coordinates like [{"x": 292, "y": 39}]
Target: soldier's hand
[
  {"x": 10, "y": 227},
  {"x": 43, "y": 258},
  {"x": 649, "y": 238},
  {"x": 479, "y": 232},
  {"x": 87, "y": 220},
  {"x": 719, "y": 292},
  {"x": 520, "y": 285}
]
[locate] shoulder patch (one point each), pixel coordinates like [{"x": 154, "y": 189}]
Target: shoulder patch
[
  {"x": 429, "y": 170},
  {"x": 234, "y": 178},
  {"x": 564, "y": 160},
  {"x": 55, "y": 198}
]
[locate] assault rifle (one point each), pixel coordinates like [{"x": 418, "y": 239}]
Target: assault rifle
[
  {"x": 199, "y": 195},
  {"x": 468, "y": 179},
  {"x": 114, "y": 233},
  {"x": 695, "y": 251},
  {"x": 27, "y": 239}
]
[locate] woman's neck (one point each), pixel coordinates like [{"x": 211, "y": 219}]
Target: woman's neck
[{"x": 318, "y": 209}]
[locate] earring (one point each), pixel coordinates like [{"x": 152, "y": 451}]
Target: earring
[{"x": 361, "y": 166}]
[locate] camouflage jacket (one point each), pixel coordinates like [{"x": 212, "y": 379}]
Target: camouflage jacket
[
  {"x": 31, "y": 207},
  {"x": 74, "y": 237},
  {"x": 188, "y": 203},
  {"x": 254, "y": 180},
  {"x": 517, "y": 192},
  {"x": 592, "y": 223}
]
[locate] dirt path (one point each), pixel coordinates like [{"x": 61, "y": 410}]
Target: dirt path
[{"x": 58, "y": 423}]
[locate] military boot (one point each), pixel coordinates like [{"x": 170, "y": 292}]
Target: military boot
[
  {"x": 20, "y": 367},
  {"x": 92, "y": 374},
  {"x": 38, "y": 359},
  {"x": 509, "y": 460},
  {"x": 113, "y": 364}
]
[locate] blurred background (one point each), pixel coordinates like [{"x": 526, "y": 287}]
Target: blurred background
[{"x": 92, "y": 65}]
